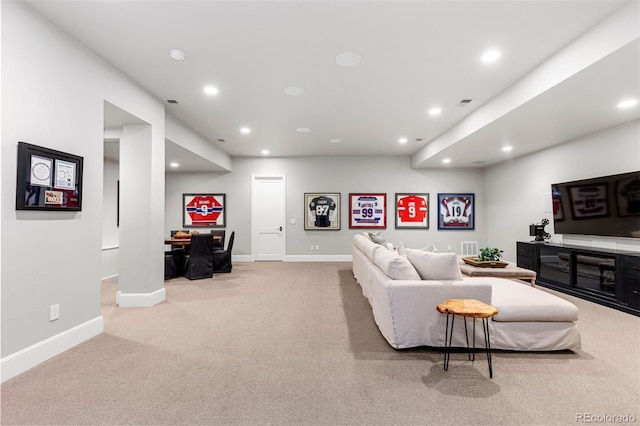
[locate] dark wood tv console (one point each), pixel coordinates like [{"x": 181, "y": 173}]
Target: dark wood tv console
[{"x": 608, "y": 277}]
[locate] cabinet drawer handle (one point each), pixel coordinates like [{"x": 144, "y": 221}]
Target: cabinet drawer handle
[{"x": 636, "y": 292}]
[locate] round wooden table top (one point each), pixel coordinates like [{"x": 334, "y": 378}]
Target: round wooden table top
[{"x": 467, "y": 308}]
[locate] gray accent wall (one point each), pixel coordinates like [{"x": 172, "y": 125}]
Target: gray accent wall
[{"x": 330, "y": 174}]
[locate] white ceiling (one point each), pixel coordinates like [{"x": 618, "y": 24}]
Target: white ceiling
[{"x": 415, "y": 55}]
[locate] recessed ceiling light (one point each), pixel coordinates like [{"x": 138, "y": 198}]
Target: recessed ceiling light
[
  {"x": 402, "y": 140},
  {"x": 302, "y": 130},
  {"x": 507, "y": 148},
  {"x": 490, "y": 56},
  {"x": 293, "y": 90},
  {"x": 335, "y": 140},
  {"x": 435, "y": 111},
  {"x": 348, "y": 59},
  {"x": 210, "y": 90},
  {"x": 245, "y": 130},
  {"x": 177, "y": 54},
  {"x": 627, "y": 103},
  {"x": 446, "y": 160},
  {"x": 265, "y": 152},
  {"x": 174, "y": 165}
]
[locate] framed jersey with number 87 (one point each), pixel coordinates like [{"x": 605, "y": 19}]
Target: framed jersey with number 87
[
  {"x": 412, "y": 211},
  {"x": 322, "y": 211}
]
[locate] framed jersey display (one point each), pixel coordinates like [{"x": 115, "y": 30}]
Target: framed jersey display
[
  {"x": 206, "y": 210},
  {"x": 322, "y": 211},
  {"x": 412, "y": 211},
  {"x": 368, "y": 211},
  {"x": 456, "y": 211},
  {"x": 589, "y": 201}
]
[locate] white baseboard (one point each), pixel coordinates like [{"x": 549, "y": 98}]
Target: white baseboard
[
  {"x": 319, "y": 258},
  {"x": 242, "y": 258},
  {"x": 23, "y": 360},
  {"x": 140, "y": 300}
]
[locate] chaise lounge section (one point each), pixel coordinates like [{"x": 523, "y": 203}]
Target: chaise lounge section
[{"x": 404, "y": 302}]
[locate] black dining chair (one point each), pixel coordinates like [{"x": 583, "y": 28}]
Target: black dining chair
[
  {"x": 219, "y": 243},
  {"x": 199, "y": 261},
  {"x": 222, "y": 258}
]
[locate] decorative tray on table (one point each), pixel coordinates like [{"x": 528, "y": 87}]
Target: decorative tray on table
[{"x": 473, "y": 261}]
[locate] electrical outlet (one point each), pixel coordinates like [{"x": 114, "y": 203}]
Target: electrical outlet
[
  {"x": 54, "y": 312},
  {"x": 311, "y": 247},
  {"x": 449, "y": 248},
  {"x": 317, "y": 247},
  {"x": 293, "y": 221}
]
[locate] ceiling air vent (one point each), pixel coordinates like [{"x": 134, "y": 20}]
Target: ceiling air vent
[
  {"x": 221, "y": 140},
  {"x": 464, "y": 102},
  {"x": 172, "y": 101},
  {"x": 479, "y": 161}
]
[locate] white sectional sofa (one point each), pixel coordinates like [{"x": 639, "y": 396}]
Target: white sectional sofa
[{"x": 404, "y": 304}]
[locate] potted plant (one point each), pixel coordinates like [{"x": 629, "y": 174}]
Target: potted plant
[
  {"x": 487, "y": 258},
  {"x": 490, "y": 254}
]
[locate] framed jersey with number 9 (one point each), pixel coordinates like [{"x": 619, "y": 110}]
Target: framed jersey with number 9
[{"x": 412, "y": 211}]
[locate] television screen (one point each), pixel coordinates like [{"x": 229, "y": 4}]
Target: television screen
[{"x": 606, "y": 206}]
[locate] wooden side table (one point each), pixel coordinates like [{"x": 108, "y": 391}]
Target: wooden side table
[{"x": 467, "y": 308}]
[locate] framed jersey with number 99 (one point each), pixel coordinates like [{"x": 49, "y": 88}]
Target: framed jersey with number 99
[{"x": 412, "y": 211}]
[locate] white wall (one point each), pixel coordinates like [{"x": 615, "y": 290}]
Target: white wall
[
  {"x": 330, "y": 174},
  {"x": 516, "y": 191},
  {"x": 53, "y": 94},
  {"x": 110, "y": 239}
]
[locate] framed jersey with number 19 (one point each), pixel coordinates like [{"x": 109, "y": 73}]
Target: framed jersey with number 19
[
  {"x": 322, "y": 211},
  {"x": 412, "y": 211},
  {"x": 456, "y": 211}
]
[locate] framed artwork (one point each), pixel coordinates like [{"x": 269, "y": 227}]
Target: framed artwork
[
  {"x": 204, "y": 210},
  {"x": 368, "y": 211},
  {"x": 322, "y": 211},
  {"x": 48, "y": 179},
  {"x": 456, "y": 211},
  {"x": 412, "y": 211},
  {"x": 589, "y": 201},
  {"x": 628, "y": 196}
]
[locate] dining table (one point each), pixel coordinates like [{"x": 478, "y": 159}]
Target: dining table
[{"x": 186, "y": 241}]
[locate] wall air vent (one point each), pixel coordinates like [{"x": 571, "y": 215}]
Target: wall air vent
[
  {"x": 172, "y": 101},
  {"x": 469, "y": 248},
  {"x": 464, "y": 102}
]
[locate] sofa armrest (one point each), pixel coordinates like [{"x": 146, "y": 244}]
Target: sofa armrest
[{"x": 405, "y": 310}]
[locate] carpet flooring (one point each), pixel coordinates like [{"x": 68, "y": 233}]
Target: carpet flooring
[{"x": 296, "y": 344}]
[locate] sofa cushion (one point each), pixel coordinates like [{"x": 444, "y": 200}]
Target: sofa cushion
[
  {"x": 402, "y": 249},
  {"x": 395, "y": 266},
  {"x": 519, "y": 302},
  {"x": 378, "y": 238},
  {"x": 435, "y": 266}
]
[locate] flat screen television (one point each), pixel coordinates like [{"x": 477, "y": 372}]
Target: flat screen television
[{"x": 605, "y": 206}]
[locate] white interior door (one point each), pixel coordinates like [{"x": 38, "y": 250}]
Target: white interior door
[{"x": 268, "y": 217}]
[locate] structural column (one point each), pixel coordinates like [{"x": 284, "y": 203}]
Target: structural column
[{"x": 141, "y": 280}]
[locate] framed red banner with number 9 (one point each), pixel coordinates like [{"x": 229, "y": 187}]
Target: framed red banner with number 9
[
  {"x": 456, "y": 211},
  {"x": 412, "y": 211},
  {"x": 368, "y": 211}
]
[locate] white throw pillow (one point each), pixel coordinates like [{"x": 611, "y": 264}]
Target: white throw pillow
[
  {"x": 395, "y": 266},
  {"x": 430, "y": 248},
  {"x": 435, "y": 266}
]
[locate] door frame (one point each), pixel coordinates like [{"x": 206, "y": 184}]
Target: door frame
[{"x": 254, "y": 223}]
